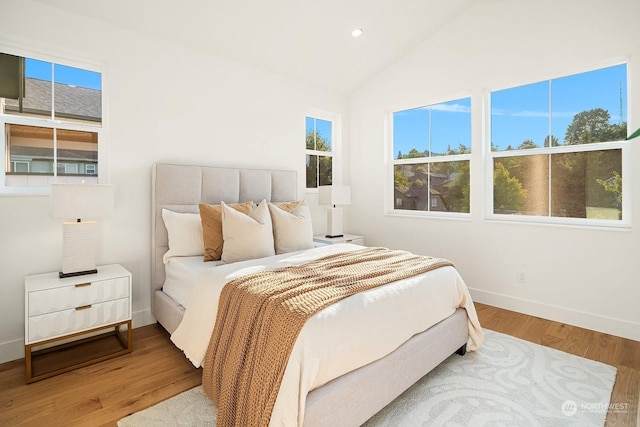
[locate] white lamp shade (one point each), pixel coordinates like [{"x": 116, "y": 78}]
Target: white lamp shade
[
  {"x": 334, "y": 195},
  {"x": 73, "y": 201}
]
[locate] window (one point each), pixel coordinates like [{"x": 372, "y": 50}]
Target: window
[
  {"x": 51, "y": 120},
  {"x": 321, "y": 141},
  {"x": 557, "y": 148},
  {"x": 432, "y": 153}
]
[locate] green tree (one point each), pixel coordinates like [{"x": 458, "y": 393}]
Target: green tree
[
  {"x": 413, "y": 153},
  {"x": 527, "y": 144},
  {"x": 319, "y": 168},
  {"x": 593, "y": 126},
  {"x": 554, "y": 141},
  {"x": 618, "y": 132},
  {"x": 613, "y": 185},
  {"x": 456, "y": 192},
  {"x": 508, "y": 192},
  {"x": 399, "y": 179}
]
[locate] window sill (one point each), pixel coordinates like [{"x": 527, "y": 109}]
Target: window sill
[
  {"x": 577, "y": 223},
  {"x": 457, "y": 216}
]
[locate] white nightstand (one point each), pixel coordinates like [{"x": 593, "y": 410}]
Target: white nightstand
[
  {"x": 65, "y": 315},
  {"x": 322, "y": 240}
]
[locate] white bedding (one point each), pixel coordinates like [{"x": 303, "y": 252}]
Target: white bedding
[
  {"x": 181, "y": 273},
  {"x": 342, "y": 337}
]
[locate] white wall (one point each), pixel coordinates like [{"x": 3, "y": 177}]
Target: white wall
[
  {"x": 163, "y": 103},
  {"x": 586, "y": 277}
]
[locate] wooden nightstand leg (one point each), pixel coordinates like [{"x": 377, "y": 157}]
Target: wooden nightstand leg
[
  {"x": 129, "y": 336},
  {"x": 129, "y": 343},
  {"x": 27, "y": 359}
]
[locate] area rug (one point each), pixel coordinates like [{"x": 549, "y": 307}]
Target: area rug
[{"x": 507, "y": 382}]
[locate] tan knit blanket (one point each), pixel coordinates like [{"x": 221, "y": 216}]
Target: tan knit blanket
[{"x": 260, "y": 316}]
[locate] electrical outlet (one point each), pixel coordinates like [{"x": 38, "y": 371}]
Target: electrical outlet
[{"x": 521, "y": 278}]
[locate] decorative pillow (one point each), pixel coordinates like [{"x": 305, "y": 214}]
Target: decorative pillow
[
  {"x": 289, "y": 206},
  {"x": 211, "y": 217},
  {"x": 292, "y": 228},
  {"x": 246, "y": 236},
  {"x": 185, "y": 234}
]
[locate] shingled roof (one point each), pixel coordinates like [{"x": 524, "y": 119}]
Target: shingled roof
[{"x": 70, "y": 101}]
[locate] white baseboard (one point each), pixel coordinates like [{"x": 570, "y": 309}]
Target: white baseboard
[
  {"x": 142, "y": 318},
  {"x": 594, "y": 322},
  {"x": 13, "y": 350}
]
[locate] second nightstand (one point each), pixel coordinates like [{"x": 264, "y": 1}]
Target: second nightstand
[{"x": 347, "y": 238}]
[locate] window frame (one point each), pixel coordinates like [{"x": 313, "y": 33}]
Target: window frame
[
  {"x": 336, "y": 143},
  {"x": 54, "y": 123},
  {"x": 624, "y": 146},
  {"x": 391, "y": 162}
]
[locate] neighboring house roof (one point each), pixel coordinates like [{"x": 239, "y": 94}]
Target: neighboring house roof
[
  {"x": 70, "y": 101},
  {"x": 47, "y": 153},
  {"x": 418, "y": 193}
]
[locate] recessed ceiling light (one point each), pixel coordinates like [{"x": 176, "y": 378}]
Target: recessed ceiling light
[{"x": 357, "y": 32}]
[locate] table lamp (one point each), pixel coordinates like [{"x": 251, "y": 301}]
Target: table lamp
[
  {"x": 334, "y": 195},
  {"x": 79, "y": 202}
]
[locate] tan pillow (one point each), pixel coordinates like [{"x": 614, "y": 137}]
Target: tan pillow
[
  {"x": 246, "y": 236},
  {"x": 292, "y": 229},
  {"x": 289, "y": 206},
  {"x": 211, "y": 218}
]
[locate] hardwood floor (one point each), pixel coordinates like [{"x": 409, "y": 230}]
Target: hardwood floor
[{"x": 101, "y": 394}]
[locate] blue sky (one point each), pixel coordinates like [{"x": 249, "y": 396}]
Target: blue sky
[
  {"x": 517, "y": 114},
  {"x": 63, "y": 74},
  {"x": 450, "y": 126},
  {"x": 323, "y": 127}
]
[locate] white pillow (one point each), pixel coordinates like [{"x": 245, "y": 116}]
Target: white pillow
[
  {"x": 185, "y": 234},
  {"x": 292, "y": 229},
  {"x": 246, "y": 236}
]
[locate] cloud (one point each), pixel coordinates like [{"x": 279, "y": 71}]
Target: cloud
[
  {"x": 451, "y": 108},
  {"x": 532, "y": 114}
]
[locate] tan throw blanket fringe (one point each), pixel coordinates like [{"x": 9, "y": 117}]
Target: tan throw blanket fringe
[{"x": 260, "y": 316}]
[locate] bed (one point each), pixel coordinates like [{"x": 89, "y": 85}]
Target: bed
[{"x": 336, "y": 401}]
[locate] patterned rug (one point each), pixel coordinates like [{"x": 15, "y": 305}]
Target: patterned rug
[{"x": 507, "y": 382}]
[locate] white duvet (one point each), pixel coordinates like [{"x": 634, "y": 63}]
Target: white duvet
[{"x": 342, "y": 337}]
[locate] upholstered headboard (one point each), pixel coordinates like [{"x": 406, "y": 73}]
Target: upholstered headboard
[{"x": 181, "y": 188}]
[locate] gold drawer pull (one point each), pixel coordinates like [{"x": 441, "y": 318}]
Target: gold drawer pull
[
  {"x": 82, "y": 285},
  {"x": 84, "y": 307}
]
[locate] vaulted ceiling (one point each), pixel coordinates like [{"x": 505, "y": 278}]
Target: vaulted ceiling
[{"x": 307, "y": 40}]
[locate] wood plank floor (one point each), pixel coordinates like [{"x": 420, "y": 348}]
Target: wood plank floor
[{"x": 101, "y": 394}]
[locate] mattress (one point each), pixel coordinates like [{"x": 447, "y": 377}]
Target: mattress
[{"x": 181, "y": 273}]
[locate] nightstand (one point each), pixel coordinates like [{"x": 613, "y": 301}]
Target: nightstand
[
  {"x": 76, "y": 321},
  {"x": 321, "y": 240}
]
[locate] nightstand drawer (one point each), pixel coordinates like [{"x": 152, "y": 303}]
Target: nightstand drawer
[
  {"x": 52, "y": 325},
  {"x": 68, "y": 297},
  {"x": 355, "y": 241},
  {"x": 347, "y": 238}
]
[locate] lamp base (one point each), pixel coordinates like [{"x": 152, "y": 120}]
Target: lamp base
[
  {"x": 79, "y": 248},
  {"x": 334, "y": 222},
  {"x": 77, "y": 273}
]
